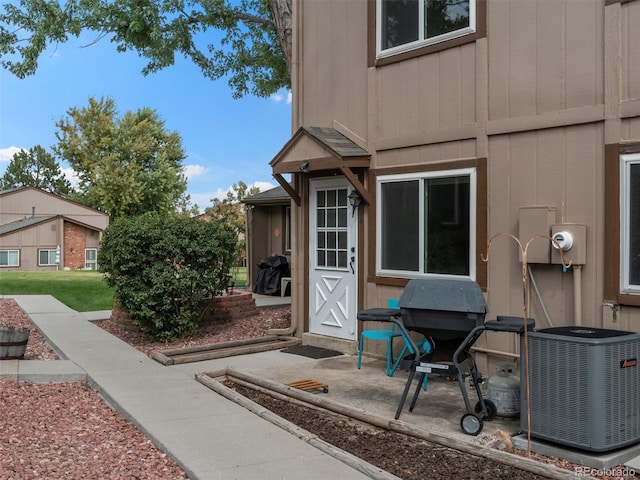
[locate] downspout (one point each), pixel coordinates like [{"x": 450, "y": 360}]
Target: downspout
[{"x": 577, "y": 294}]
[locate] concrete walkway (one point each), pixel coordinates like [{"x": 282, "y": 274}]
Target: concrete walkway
[{"x": 208, "y": 436}]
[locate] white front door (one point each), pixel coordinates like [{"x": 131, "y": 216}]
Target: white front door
[{"x": 332, "y": 257}]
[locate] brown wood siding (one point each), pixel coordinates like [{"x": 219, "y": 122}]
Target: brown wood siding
[
  {"x": 334, "y": 71},
  {"x": 544, "y": 66},
  {"x": 630, "y": 84}
]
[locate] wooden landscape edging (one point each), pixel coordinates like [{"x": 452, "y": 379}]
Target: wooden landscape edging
[
  {"x": 399, "y": 426},
  {"x": 224, "y": 349}
]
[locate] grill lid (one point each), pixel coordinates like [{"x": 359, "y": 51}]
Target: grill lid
[{"x": 446, "y": 294}]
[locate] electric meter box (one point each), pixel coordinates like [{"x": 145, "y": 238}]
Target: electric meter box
[{"x": 576, "y": 236}]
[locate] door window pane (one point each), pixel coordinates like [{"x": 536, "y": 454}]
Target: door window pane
[{"x": 331, "y": 228}]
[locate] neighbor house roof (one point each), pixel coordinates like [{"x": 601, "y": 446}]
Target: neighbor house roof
[
  {"x": 29, "y": 222},
  {"x": 273, "y": 196},
  {"x": 23, "y": 223}
]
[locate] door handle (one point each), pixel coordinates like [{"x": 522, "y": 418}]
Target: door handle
[{"x": 351, "y": 262}]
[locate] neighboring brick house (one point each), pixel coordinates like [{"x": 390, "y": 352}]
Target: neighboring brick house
[{"x": 42, "y": 231}]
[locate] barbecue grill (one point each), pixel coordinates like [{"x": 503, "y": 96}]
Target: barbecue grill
[{"x": 450, "y": 313}]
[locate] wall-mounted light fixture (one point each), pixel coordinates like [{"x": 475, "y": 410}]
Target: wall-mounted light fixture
[
  {"x": 304, "y": 167},
  {"x": 354, "y": 200}
]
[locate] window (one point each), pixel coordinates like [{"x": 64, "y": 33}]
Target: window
[
  {"x": 47, "y": 257},
  {"x": 630, "y": 223},
  {"x": 9, "y": 258},
  {"x": 331, "y": 228},
  {"x": 287, "y": 229},
  {"x": 427, "y": 224},
  {"x": 408, "y": 24},
  {"x": 91, "y": 259}
]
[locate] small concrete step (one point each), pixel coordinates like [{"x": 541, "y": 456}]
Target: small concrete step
[{"x": 41, "y": 371}]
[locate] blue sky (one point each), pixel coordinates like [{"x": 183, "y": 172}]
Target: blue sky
[{"x": 225, "y": 140}]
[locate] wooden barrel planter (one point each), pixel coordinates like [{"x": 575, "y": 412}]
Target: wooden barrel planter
[{"x": 13, "y": 342}]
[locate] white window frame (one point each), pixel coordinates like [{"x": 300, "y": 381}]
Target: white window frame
[
  {"x": 9, "y": 251},
  {"x": 52, "y": 254},
  {"x": 93, "y": 262},
  {"x": 287, "y": 228},
  {"x": 421, "y": 42},
  {"x": 421, "y": 176},
  {"x": 625, "y": 186}
]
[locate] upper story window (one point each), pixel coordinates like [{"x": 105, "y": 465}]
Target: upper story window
[
  {"x": 630, "y": 223},
  {"x": 427, "y": 223},
  {"x": 405, "y": 25}
]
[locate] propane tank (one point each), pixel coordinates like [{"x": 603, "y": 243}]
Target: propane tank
[{"x": 503, "y": 389}]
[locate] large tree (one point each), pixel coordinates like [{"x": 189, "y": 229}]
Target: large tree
[
  {"x": 126, "y": 166},
  {"x": 252, "y": 48},
  {"x": 35, "y": 168}
]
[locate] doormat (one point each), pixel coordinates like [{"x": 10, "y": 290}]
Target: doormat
[{"x": 311, "y": 352}]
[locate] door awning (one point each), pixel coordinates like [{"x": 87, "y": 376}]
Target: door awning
[{"x": 314, "y": 149}]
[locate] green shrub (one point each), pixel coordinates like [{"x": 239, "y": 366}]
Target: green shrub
[{"x": 162, "y": 268}]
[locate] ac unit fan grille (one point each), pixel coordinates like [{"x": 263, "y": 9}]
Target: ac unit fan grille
[
  {"x": 622, "y": 394},
  {"x": 558, "y": 407},
  {"x": 584, "y": 392}
]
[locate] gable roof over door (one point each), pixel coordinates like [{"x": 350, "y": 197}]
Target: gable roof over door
[{"x": 313, "y": 149}]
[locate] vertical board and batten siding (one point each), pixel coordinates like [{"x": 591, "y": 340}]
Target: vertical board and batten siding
[
  {"x": 544, "y": 57},
  {"x": 560, "y": 168},
  {"x": 630, "y": 53},
  {"x": 334, "y": 65},
  {"x": 426, "y": 94}
]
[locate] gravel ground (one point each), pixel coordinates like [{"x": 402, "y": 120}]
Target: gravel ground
[
  {"x": 84, "y": 438},
  {"x": 65, "y": 430},
  {"x": 251, "y": 327}
]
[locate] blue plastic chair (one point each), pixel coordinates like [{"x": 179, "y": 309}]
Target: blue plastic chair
[{"x": 385, "y": 335}]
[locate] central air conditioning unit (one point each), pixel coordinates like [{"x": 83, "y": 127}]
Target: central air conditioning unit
[{"x": 584, "y": 387}]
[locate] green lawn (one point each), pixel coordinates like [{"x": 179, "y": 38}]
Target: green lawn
[
  {"x": 239, "y": 276},
  {"x": 83, "y": 291}
]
